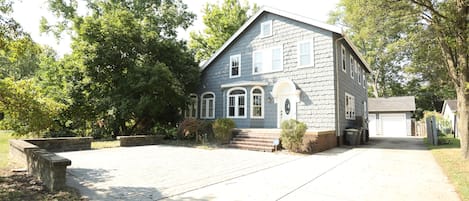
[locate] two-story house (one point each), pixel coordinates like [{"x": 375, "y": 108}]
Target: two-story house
[{"x": 281, "y": 66}]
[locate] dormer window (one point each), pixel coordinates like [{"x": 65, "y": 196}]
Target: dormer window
[{"x": 266, "y": 29}]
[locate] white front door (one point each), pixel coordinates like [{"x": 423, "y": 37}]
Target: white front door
[{"x": 286, "y": 108}]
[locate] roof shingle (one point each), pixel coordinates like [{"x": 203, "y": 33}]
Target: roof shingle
[{"x": 392, "y": 104}]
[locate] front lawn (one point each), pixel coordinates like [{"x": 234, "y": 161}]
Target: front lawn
[
  {"x": 449, "y": 157},
  {"x": 4, "y": 146}
]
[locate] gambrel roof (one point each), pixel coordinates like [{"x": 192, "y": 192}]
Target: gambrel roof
[{"x": 306, "y": 20}]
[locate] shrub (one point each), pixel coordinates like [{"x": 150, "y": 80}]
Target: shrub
[
  {"x": 170, "y": 131},
  {"x": 292, "y": 134},
  {"x": 188, "y": 128},
  {"x": 222, "y": 128}
]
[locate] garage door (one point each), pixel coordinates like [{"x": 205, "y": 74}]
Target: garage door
[{"x": 394, "y": 125}]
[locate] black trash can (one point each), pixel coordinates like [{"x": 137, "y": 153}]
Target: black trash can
[{"x": 351, "y": 136}]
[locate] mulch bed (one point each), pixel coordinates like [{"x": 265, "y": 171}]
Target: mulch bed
[{"x": 20, "y": 186}]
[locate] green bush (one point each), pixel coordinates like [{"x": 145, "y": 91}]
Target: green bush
[
  {"x": 170, "y": 131},
  {"x": 222, "y": 128},
  {"x": 292, "y": 134}
]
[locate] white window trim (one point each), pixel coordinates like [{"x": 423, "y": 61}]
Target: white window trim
[
  {"x": 254, "y": 61},
  {"x": 238, "y": 56},
  {"x": 311, "y": 42},
  {"x": 352, "y": 67},
  {"x": 269, "y": 59},
  {"x": 364, "y": 80},
  {"x": 236, "y": 106},
  {"x": 252, "y": 103},
  {"x": 264, "y": 35},
  {"x": 359, "y": 74},
  {"x": 343, "y": 59},
  {"x": 350, "y": 108},
  {"x": 203, "y": 114},
  {"x": 188, "y": 112}
]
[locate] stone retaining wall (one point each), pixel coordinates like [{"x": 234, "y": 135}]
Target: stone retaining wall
[
  {"x": 317, "y": 141},
  {"x": 140, "y": 140},
  {"x": 62, "y": 144},
  {"x": 46, "y": 166}
]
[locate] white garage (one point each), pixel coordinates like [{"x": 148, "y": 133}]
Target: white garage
[{"x": 390, "y": 117}]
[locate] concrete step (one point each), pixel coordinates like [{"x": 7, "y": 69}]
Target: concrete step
[
  {"x": 252, "y": 147},
  {"x": 257, "y": 136},
  {"x": 254, "y": 143},
  {"x": 261, "y": 140}
]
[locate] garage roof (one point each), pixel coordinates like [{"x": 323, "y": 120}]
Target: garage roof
[{"x": 392, "y": 104}]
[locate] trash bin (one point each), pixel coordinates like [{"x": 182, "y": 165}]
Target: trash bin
[{"x": 351, "y": 136}]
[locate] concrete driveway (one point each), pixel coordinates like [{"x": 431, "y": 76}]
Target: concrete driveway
[{"x": 386, "y": 169}]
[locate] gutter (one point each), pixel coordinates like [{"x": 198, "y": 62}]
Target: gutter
[{"x": 337, "y": 90}]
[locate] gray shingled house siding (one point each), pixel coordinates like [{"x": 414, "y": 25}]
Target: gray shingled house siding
[
  {"x": 348, "y": 85},
  {"x": 317, "y": 100}
]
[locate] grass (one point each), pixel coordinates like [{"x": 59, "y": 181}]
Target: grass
[
  {"x": 105, "y": 144},
  {"x": 449, "y": 157},
  {"x": 4, "y": 147}
]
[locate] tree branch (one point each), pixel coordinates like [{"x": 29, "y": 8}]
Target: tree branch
[{"x": 428, "y": 5}]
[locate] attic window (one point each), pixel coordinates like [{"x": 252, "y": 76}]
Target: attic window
[{"x": 266, "y": 29}]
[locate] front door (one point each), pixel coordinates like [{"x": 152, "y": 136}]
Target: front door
[{"x": 286, "y": 109}]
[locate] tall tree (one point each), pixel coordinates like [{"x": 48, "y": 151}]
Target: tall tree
[
  {"x": 221, "y": 22},
  {"x": 136, "y": 72},
  {"x": 443, "y": 25},
  {"x": 448, "y": 25},
  {"x": 384, "y": 48}
]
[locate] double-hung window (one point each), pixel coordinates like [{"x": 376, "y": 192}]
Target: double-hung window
[
  {"x": 266, "y": 29},
  {"x": 208, "y": 106},
  {"x": 364, "y": 80},
  {"x": 235, "y": 66},
  {"x": 191, "y": 111},
  {"x": 349, "y": 107},
  {"x": 237, "y": 103},
  {"x": 267, "y": 60},
  {"x": 359, "y": 74},
  {"x": 352, "y": 67},
  {"x": 306, "y": 53},
  {"x": 257, "y": 103},
  {"x": 343, "y": 59}
]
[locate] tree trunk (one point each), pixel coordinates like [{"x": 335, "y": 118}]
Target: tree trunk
[{"x": 463, "y": 120}]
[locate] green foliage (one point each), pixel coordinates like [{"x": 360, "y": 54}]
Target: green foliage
[
  {"x": 133, "y": 72},
  {"x": 443, "y": 124},
  {"x": 292, "y": 134},
  {"x": 26, "y": 109},
  {"x": 381, "y": 38},
  {"x": 196, "y": 129},
  {"x": 221, "y": 22},
  {"x": 168, "y": 130},
  {"x": 223, "y": 129}
]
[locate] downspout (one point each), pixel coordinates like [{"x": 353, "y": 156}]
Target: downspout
[{"x": 337, "y": 90}]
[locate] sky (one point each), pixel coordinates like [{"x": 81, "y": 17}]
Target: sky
[{"x": 29, "y": 12}]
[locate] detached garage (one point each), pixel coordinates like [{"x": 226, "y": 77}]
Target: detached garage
[{"x": 391, "y": 116}]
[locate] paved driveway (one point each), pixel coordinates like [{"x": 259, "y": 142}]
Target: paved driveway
[{"x": 387, "y": 169}]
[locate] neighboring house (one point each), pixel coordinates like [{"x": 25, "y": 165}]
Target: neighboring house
[
  {"x": 450, "y": 107},
  {"x": 281, "y": 66},
  {"x": 391, "y": 116}
]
